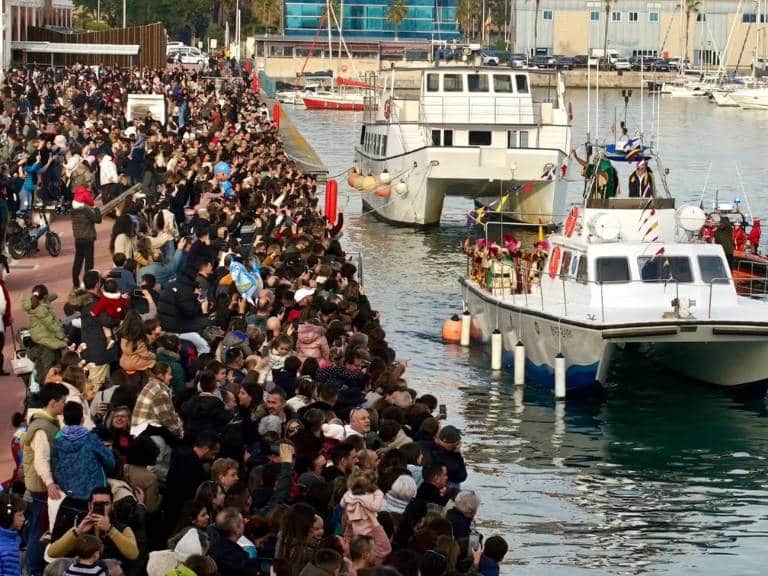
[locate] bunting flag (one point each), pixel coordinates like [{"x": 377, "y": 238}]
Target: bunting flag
[
  {"x": 248, "y": 283},
  {"x": 659, "y": 252},
  {"x": 647, "y": 218},
  {"x": 632, "y": 149},
  {"x": 502, "y": 201}
]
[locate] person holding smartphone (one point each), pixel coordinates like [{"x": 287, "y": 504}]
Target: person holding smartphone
[{"x": 118, "y": 539}]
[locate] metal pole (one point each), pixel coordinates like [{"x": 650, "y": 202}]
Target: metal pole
[{"x": 124, "y": 14}]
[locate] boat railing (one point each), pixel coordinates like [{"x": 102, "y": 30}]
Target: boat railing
[{"x": 521, "y": 280}]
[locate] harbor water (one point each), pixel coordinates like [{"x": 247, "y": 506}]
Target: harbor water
[{"x": 655, "y": 475}]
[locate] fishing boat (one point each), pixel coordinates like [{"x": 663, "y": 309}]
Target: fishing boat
[
  {"x": 478, "y": 132},
  {"x": 348, "y": 96},
  {"x": 624, "y": 271}
]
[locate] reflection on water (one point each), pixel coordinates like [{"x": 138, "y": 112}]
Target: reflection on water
[{"x": 658, "y": 475}]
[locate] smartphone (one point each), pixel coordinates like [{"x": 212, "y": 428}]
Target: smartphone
[
  {"x": 138, "y": 293},
  {"x": 270, "y": 334},
  {"x": 98, "y": 508},
  {"x": 474, "y": 543},
  {"x": 443, "y": 411}
]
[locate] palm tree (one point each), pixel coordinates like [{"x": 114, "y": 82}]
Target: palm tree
[
  {"x": 466, "y": 10},
  {"x": 397, "y": 12},
  {"x": 691, "y": 7},
  {"x": 268, "y": 12},
  {"x": 608, "y": 9}
]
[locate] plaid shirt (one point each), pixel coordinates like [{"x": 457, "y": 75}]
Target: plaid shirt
[{"x": 154, "y": 407}]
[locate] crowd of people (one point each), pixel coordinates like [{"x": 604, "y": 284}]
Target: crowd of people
[{"x": 221, "y": 397}]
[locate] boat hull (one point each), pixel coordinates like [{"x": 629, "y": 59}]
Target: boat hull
[
  {"x": 725, "y": 354},
  {"x": 333, "y": 104}
]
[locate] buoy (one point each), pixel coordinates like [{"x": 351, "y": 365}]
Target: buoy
[
  {"x": 331, "y": 197},
  {"x": 383, "y": 191},
  {"x": 352, "y": 175},
  {"x": 570, "y": 223},
  {"x": 276, "y": 115},
  {"x": 466, "y": 325},
  {"x": 554, "y": 262},
  {"x": 559, "y": 376},
  {"x": 452, "y": 330},
  {"x": 401, "y": 187},
  {"x": 368, "y": 183},
  {"x": 519, "y": 363},
  {"x": 385, "y": 177},
  {"x": 357, "y": 181},
  {"x": 496, "y": 349}
]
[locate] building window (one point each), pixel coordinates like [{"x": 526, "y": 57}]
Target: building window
[
  {"x": 615, "y": 16},
  {"x": 521, "y": 82},
  {"x": 701, "y": 17},
  {"x": 479, "y": 138},
  {"x": 435, "y": 137},
  {"x": 594, "y": 15},
  {"x": 453, "y": 83},
  {"x": 511, "y": 138},
  {"x": 477, "y": 82},
  {"x": 447, "y": 137},
  {"x": 749, "y": 18},
  {"x": 523, "y": 139},
  {"x": 502, "y": 83},
  {"x": 653, "y": 16},
  {"x": 546, "y": 15},
  {"x": 632, "y": 16},
  {"x": 433, "y": 82}
]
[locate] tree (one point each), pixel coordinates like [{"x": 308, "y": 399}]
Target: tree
[
  {"x": 397, "y": 12},
  {"x": 691, "y": 7},
  {"x": 609, "y": 4},
  {"x": 466, "y": 11},
  {"x": 268, "y": 12}
]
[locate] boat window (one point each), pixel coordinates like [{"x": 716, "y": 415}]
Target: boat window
[
  {"x": 479, "y": 138},
  {"x": 362, "y": 136},
  {"x": 502, "y": 83},
  {"x": 565, "y": 265},
  {"x": 712, "y": 270},
  {"x": 614, "y": 269},
  {"x": 521, "y": 82},
  {"x": 511, "y": 138},
  {"x": 433, "y": 82},
  {"x": 384, "y": 145},
  {"x": 435, "y": 137},
  {"x": 477, "y": 82},
  {"x": 453, "y": 83},
  {"x": 447, "y": 137},
  {"x": 582, "y": 274},
  {"x": 523, "y": 139},
  {"x": 664, "y": 268}
]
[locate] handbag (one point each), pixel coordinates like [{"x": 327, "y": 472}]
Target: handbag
[{"x": 20, "y": 363}]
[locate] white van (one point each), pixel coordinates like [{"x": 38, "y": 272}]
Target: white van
[{"x": 187, "y": 55}]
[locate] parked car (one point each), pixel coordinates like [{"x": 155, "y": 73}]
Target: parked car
[
  {"x": 490, "y": 58},
  {"x": 661, "y": 66},
  {"x": 580, "y": 61},
  {"x": 187, "y": 55},
  {"x": 544, "y": 62},
  {"x": 646, "y": 61},
  {"x": 564, "y": 63},
  {"x": 677, "y": 64},
  {"x": 518, "y": 61},
  {"x": 622, "y": 64}
]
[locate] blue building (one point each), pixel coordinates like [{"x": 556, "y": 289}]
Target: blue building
[{"x": 427, "y": 19}]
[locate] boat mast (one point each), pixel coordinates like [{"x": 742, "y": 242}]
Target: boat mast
[{"x": 328, "y": 9}]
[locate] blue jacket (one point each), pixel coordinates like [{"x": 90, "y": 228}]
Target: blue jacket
[
  {"x": 488, "y": 567},
  {"x": 79, "y": 461},
  {"x": 10, "y": 552}
]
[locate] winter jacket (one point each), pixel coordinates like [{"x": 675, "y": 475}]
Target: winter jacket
[
  {"x": 141, "y": 477},
  {"x": 311, "y": 342},
  {"x": 10, "y": 552},
  {"x": 488, "y": 567},
  {"x": 397, "y": 442},
  {"x": 163, "y": 273},
  {"x": 79, "y": 461},
  {"x": 204, "y": 413},
  {"x": 108, "y": 171},
  {"x": 82, "y": 176},
  {"x": 230, "y": 558},
  {"x": 92, "y": 334},
  {"x": 84, "y": 220},
  {"x": 394, "y": 504},
  {"x": 135, "y": 356},
  {"x": 453, "y": 462},
  {"x": 39, "y": 421},
  {"x": 462, "y": 525},
  {"x": 358, "y": 507},
  {"x": 178, "y": 309},
  {"x": 44, "y": 328}
]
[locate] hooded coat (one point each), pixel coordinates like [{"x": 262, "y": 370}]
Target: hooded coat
[
  {"x": 79, "y": 461},
  {"x": 312, "y": 343},
  {"x": 44, "y": 328},
  {"x": 178, "y": 309},
  {"x": 10, "y": 552}
]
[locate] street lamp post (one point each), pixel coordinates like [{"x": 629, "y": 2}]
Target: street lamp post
[{"x": 124, "y": 14}]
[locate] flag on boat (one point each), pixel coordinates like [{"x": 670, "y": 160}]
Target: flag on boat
[
  {"x": 525, "y": 187},
  {"x": 659, "y": 252},
  {"x": 502, "y": 201},
  {"x": 633, "y": 149}
]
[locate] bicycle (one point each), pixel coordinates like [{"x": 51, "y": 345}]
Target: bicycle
[{"x": 23, "y": 237}]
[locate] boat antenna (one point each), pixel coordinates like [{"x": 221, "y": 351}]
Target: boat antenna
[
  {"x": 744, "y": 192},
  {"x": 642, "y": 88},
  {"x": 597, "y": 101},
  {"x": 706, "y": 182}
]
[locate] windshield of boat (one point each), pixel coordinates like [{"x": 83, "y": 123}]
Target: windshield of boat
[{"x": 663, "y": 268}]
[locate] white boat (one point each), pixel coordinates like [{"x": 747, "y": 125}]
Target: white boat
[
  {"x": 470, "y": 131},
  {"x": 296, "y": 96},
  {"x": 626, "y": 271},
  {"x": 722, "y": 97},
  {"x": 751, "y": 98}
]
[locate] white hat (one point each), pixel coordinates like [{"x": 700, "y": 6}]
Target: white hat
[
  {"x": 302, "y": 293},
  {"x": 188, "y": 545},
  {"x": 334, "y": 431}
]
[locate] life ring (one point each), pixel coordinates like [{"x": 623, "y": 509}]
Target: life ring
[
  {"x": 570, "y": 223},
  {"x": 554, "y": 262},
  {"x": 387, "y": 108},
  {"x": 344, "y": 68}
]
